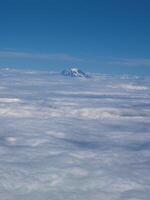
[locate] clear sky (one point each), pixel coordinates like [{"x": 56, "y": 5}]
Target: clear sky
[{"x": 106, "y": 36}]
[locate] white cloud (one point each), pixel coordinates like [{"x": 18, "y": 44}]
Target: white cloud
[
  {"x": 130, "y": 87},
  {"x": 101, "y": 114},
  {"x": 74, "y": 139},
  {"x": 9, "y": 100}
]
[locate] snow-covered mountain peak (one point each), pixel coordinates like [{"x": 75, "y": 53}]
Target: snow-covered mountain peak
[{"x": 74, "y": 72}]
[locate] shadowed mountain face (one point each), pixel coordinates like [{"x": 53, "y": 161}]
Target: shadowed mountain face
[
  {"x": 74, "y": 72},
  {"x": 66, "y": 139}
]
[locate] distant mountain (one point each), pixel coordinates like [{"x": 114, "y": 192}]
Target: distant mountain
[{"x": 74, "y": 72}]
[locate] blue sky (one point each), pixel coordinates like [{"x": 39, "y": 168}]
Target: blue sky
[{"x": 107, "y": 36}]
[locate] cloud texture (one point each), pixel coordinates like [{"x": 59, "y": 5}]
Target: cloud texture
[{"x": 64, "y": 138}]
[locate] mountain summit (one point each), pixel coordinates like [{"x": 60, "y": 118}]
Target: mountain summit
[{"x": 74, "y": 72}]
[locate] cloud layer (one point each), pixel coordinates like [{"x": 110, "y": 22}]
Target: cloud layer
[
  {"x": 72, "y": 139},
  {"x": 129, "y": 62},
  {"x": 45, "y": 56}
]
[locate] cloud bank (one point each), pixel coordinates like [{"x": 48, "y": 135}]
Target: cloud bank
[{"x": 72, "y": 139}]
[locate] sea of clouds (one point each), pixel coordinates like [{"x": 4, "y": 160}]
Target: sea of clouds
[{"x": 70, "y": 138}]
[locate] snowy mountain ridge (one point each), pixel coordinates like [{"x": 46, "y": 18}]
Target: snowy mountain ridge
[{"x": 74, "y": 72}]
